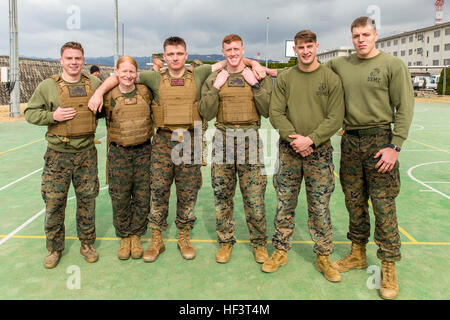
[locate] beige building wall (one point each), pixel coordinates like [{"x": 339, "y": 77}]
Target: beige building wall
[{"x": 422, "y": 47}]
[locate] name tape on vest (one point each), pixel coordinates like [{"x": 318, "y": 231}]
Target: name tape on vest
[
  {"x": 177, "y": 82},
  {"x": 128, "y": 101},
  {"x": 77, "y": 91},
  {"x": 236, "y": 82}
]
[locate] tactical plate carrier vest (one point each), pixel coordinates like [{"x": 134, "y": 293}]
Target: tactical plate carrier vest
[
  {"x": 74, "y": 96},
  {"x": 177, "y": 108},
  {"x": 129, "y": 121},
  {"x": 236, "y": 104}
]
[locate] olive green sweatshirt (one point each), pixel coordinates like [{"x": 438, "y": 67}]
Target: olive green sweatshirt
[
  {"x": 378, "y": 92},
  {"x": 39, "y": 111},
  {"x": 307, "y": 103},
  {"x": 209, "y": 104}
]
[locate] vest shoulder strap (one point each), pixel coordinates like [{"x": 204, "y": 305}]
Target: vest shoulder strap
[
  {"x": 56, "y": 77},
  {"x": 189, "y": 73},
  {"x": 58, "y": 80},
  {"x": 115, "y": 93},
  {"x": 143, "y": 92},
  {"x": 164, "y": 74}
]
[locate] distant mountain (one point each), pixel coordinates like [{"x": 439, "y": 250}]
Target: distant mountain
[{"x": 142, "y": 61}]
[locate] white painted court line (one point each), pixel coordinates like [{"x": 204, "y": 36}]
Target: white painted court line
[
  {"x": 37, "y": 215},
  {"x": 423, "y": 183},
  {"x": 28, "y": 175},
  {"x": 436, "y": 182},
  {"x": 427, "y": 150},
  {"x": 419, "y": 127},
  {"x": 20, "y": 179}
]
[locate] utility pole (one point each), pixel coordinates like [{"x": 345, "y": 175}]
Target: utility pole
[
  {"x": 116, "y": 32},
  {"x": 14, "y": 84}
]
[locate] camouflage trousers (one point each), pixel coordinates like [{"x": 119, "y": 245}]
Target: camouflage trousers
[
  {"x": 252, "y": 181},
  {"x": 188, "y": 181},
  {"x": 129, "y": 188},
  {"x": 360, "y": 180},
  {"x": 60, "y": 170},
  {"x": 318, "y": 171}
]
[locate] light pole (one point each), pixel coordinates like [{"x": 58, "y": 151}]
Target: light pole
[
  {"x": 116, "y": 32},
  {"x": 267, "y": 41},
  {"x": 123, "y": 39},
  {"x": 14, "y": 84}
]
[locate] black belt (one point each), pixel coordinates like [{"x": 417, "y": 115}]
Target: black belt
[
  {"x": 161, "y": 130},
  {"x": 131, "y": 147},
  {"x": 366, "y": 132}
]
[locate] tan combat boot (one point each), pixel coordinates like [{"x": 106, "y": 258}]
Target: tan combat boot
[
  {"x": 136, "y": 247},
  {"x": 389, "y": 284},
  {"x": 324, "y": 265},
  {"x": 124, "y": 249},
  {"x": 278, "y": 259},
  {"x": 224, "y": 253},
  {"x": 155, "y": 247},
  {"x": 89, "y": 253},
  {"x": 52, "y": 259},
  {"x": 355, "y": 260},
  {"x": 261, "y": 254},
  {"x": 185, "y": 246}
]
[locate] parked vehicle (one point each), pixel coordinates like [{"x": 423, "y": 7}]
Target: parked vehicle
[
  {"x": 432, "y": 84},
  {"x": 420, "y": 82}
]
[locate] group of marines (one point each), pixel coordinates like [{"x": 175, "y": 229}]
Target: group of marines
[{"x": 369, "y": 94}]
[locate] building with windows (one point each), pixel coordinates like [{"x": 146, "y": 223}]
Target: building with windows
[
  {"x": 331, "y": 54},
  {"x": 428, "y": 46}
]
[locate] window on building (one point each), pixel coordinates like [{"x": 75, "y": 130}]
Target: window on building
[
  {"x": 447, "y": 46},
  {"x": 403, "y": 40},
  {"x": 376, "y": 45},
  {"x": 446, "y": 62},
  {"x": 418, "y": 63},
  {"x": 410, "y": 52},
  {"x": 437, "y": 33},
  {"x": 436, "y": 48},
  {"x": 419, "y": 37},
  {"x": 435, "y": 62},
  {"x": 419, "y": 50},
  {"x": 382, "y": 44},
  {"x": 428, "y": 39},
  {"x": 447, "y": 32},
  {"x": 411, "y": 39},
  {"x": 388, "y": 43},
  {"x": 396, "y": 42},
  {"x": 394, "y": 53},
  {"x": 402, "y": 53}
]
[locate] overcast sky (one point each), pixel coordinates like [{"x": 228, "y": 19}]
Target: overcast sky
[{"x": 44, "y": 25}]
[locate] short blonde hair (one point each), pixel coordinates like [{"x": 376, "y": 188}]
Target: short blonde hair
[
  {"x": 72, "y": 45},
  {"x": 362, "y": 22}
]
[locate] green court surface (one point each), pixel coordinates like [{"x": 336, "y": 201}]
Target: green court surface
[{"x": 423, "y": 208}]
